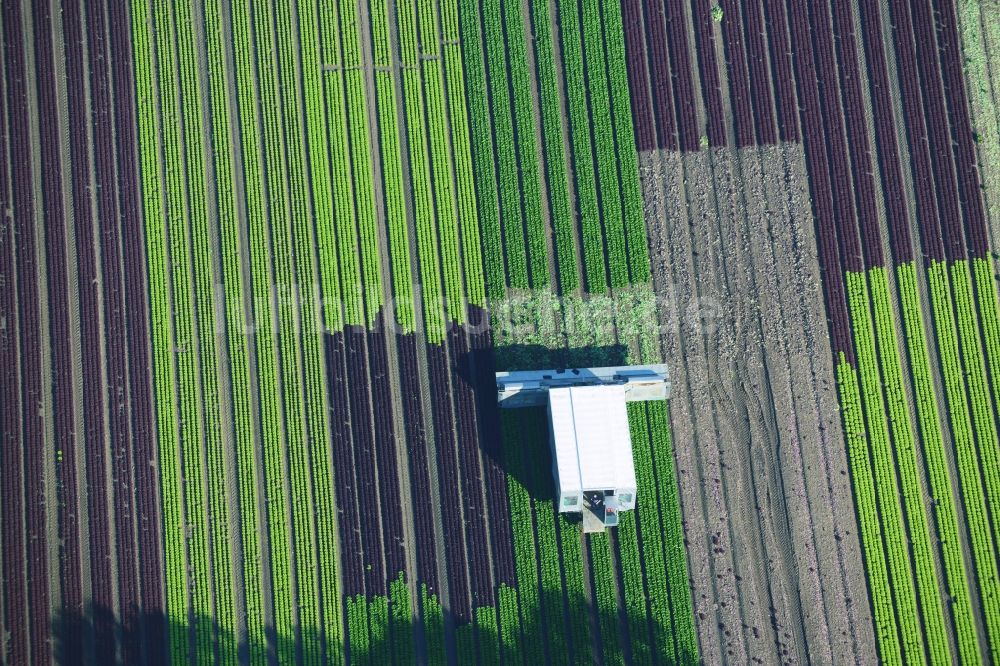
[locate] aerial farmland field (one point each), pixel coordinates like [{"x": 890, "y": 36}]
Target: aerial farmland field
[{"x": 261, "y": 260}]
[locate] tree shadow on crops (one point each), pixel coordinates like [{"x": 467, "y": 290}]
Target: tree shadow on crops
[
  {"x": 546, "y": 626},
  {"x": 539, "y": 357},
  {"x": 510, "y": 435},
  {"x": 97, "y": 637}
]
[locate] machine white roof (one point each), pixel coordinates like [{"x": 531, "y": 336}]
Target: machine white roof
[{"x": 591, "y": 440}]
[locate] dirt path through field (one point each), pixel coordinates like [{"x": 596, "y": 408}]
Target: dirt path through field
[{"x": 766, "y": 498}]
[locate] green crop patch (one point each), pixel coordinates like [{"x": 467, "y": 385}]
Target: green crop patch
[{"x": 353, "y": 212}]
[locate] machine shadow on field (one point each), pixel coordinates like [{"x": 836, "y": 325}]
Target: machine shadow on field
[
  {"x": 526, "y": 428},
  {"x": 145, "y": 640}
]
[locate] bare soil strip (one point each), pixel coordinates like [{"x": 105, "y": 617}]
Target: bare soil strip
[{"x": 766, "y": 499}]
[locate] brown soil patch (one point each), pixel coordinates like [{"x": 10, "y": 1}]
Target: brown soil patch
[{"x": 767, "y": 503}]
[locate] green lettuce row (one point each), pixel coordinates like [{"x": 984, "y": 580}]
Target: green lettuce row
[
  {"x": 628, "y": 158},
  {"x": 661, "y": 642},
  {"x": 286, "y": 544},
  {"x": 236, "y": 326},
  {"x": 889, "y": 503},
  {"x": 357, "y": 630},
  {"x": 392, "y": 170},
  {"x": 487, "y": 635},
  {"x": 886, "y": 628},
  {"x": 551, "y": 590},
  {"x": 472, "y": 258},
  {"x": 161, "y": 315},
  {"x": 421, "y": 175},
  {"x": 974, "y": 493},
  {"x": 482, "y": 151},
  {"x": 205, "y": 278},
  {"x": 931, "y": 604},
  {"x": 980, "y": 397},
  {"x": 339, "y": 252},
  {"x": 522, "y": 527},
  {"x": 510, "y": 625},
  {"x": 270, "y": 409},
  {"x": 935, "y": 457},
  {"x": 185, "y": 335},
  {"x": 603, "y": 572},
  {"x": 606, "y": 153},
  {"x": 363, "y": 163},
  {"x": 307, "y": 237},
  {"x": 524, "y": 122},
  {"x": 267, "y": 362},
  {"x": 441, "y": 153},
  {"x": 433, "y": 627},
  {"x": 571, "y": 540},
  {"x": 557, "y": 171},
  {"x": 675, "y": 553},
  {"x": 512, "y": 214},
  {"x": 330, "y": 174},
  {"x": 583, "y": 159},
  {"x": 401, "y": 621},
  {"x": 314, "y": 523}
]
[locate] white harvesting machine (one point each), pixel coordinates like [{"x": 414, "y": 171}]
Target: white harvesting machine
[{"x": 588, "y": 431}]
